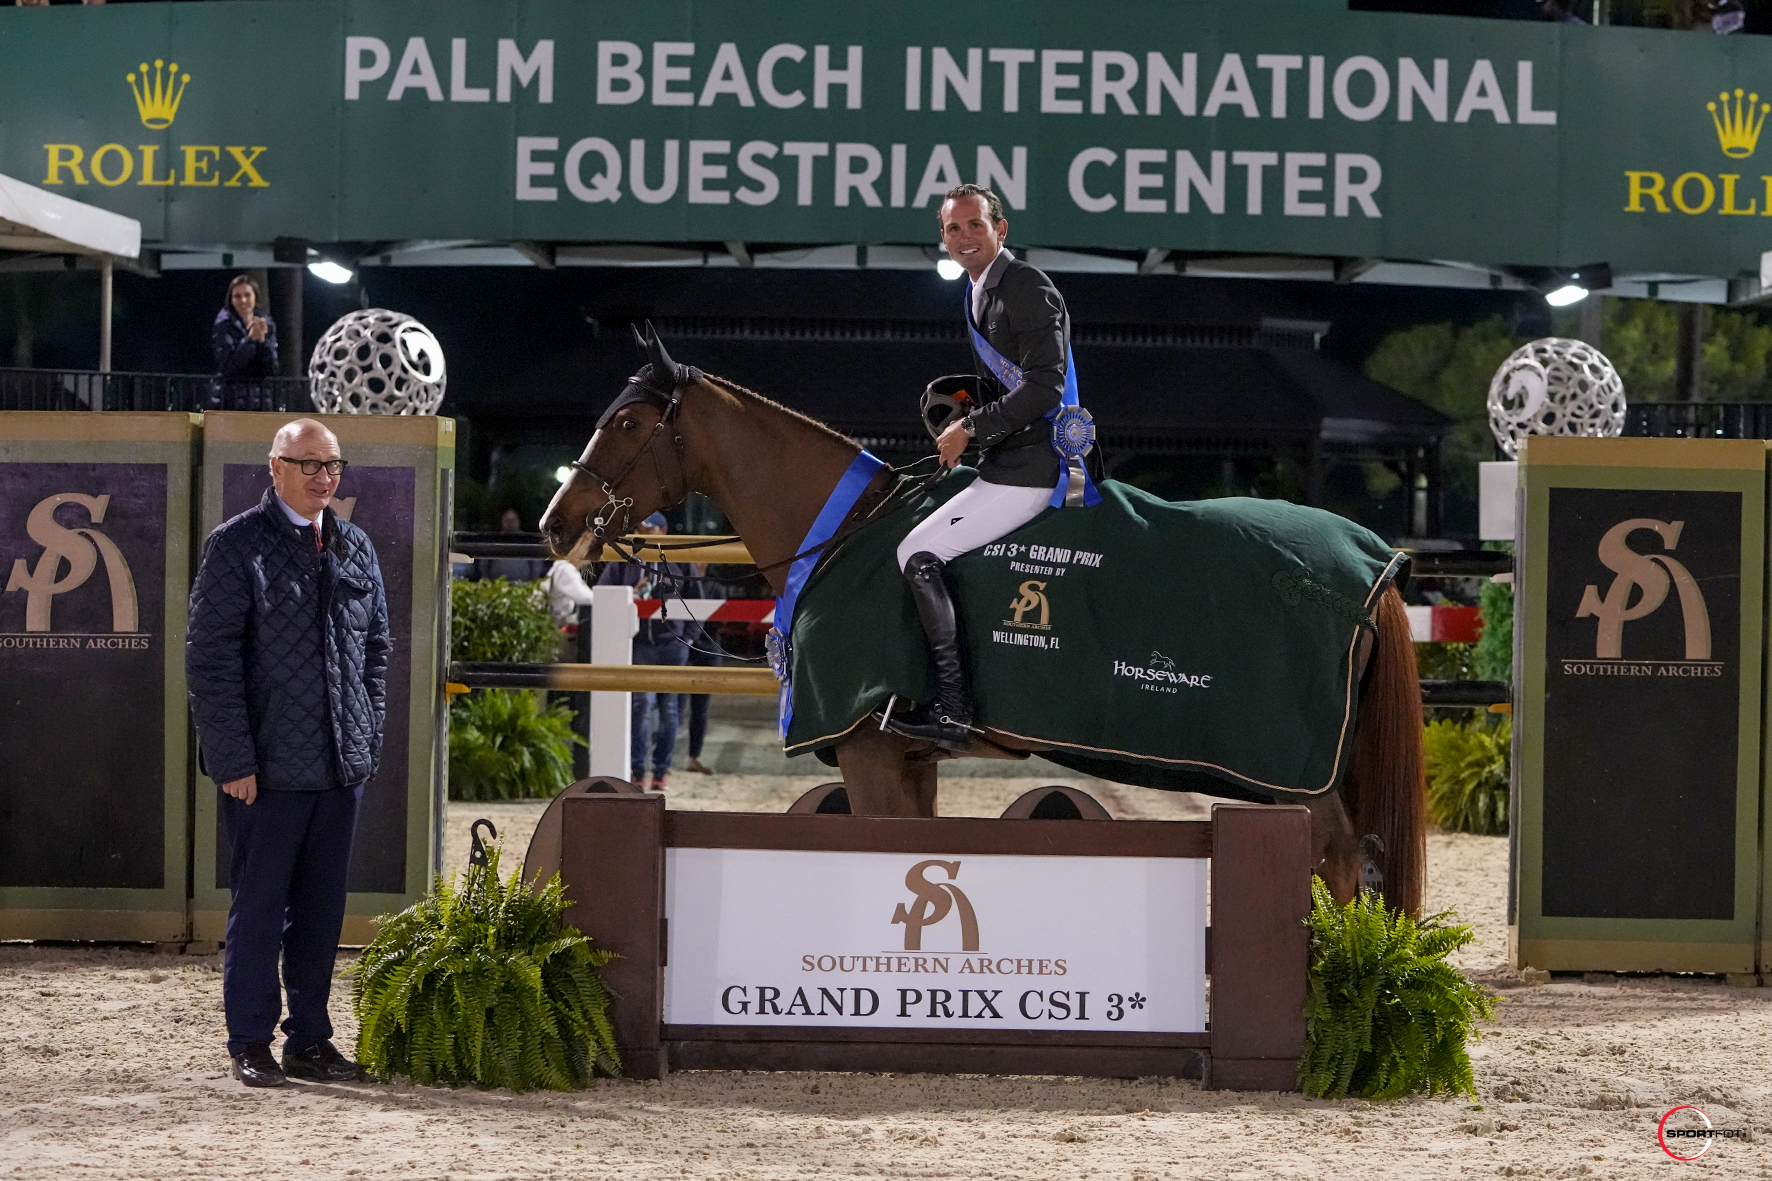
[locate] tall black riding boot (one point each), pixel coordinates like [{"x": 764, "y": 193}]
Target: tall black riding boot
[{"x": 946, "y": 721}]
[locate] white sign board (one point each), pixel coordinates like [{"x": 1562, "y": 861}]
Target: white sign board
[
  {"x": 1497, "y": 483},
  {"x": 915, "y": 941}
]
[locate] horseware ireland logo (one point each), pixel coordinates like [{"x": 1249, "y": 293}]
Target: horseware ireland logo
[
  {"x": 1652, "y": 574},
  {"x": 1031, "y": 595},
  {"x": 1738, "y": 127},
  {"x": 155, "y": 98},
  {"x": 934, "y": 901},
  {"x": 80, "y": 549}
]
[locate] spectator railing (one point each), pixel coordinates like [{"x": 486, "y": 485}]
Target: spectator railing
[
  {"x": 1698, "y": 420},
  {"x": 85, "y": 389}
]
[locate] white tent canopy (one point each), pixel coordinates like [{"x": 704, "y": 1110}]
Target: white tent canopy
[
  {"x": 32, "y": 219},
  {"x": 38, "y": 221}
]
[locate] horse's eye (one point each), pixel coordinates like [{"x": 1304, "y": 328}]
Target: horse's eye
[{"x": 628, "y": 424}]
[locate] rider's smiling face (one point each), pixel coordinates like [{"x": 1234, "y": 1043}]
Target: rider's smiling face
[{"x": 970, "y": 235}]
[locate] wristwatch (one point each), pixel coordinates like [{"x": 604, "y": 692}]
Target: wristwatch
[{"x": 970, "y": 427}]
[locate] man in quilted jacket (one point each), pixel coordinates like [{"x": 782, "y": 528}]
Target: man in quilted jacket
[{"x": 287, "y": 662}]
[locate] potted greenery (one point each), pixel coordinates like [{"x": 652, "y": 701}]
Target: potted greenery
[
  {"x": 481, "y": 983},
  {"x": 1386, "y": 1015}
]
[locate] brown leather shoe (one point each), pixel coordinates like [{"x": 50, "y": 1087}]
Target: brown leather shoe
[
  {"x": 321, "y": 1063},
  {"x": 255, "y": 1067}
]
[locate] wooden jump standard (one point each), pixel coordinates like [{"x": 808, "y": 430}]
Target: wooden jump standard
[{"x": 613, "y": 861}]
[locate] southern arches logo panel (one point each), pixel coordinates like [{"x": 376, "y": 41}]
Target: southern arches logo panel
[
  {"x": 82, "y": 610},
  {"x": 1643, "y": 650}
]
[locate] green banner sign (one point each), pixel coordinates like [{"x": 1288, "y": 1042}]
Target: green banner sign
[{"x": 1247, "y": 128}]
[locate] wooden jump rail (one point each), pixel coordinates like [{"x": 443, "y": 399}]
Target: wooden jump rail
[
  {"x": 760, "y": 682},
  {"x": 530, "y": 545},
  {"x": 615, "y": 678}
]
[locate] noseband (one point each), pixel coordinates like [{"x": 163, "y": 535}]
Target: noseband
[{"x": 640, "y": 389}]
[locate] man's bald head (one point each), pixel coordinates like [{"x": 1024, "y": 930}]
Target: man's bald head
[
  {"x": 302, "y": 439},
  {"x": 299, "y": 431}
]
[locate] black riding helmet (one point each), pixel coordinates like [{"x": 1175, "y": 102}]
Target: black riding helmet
[{"x": 947, "y": 399}]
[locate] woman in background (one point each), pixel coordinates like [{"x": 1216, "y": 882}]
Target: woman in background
[{"x": 245, "y": 345}]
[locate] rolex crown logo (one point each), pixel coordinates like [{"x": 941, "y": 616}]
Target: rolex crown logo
[
  {"x": 1738, "y": 126},
  {"x": 157, "y": 99}
]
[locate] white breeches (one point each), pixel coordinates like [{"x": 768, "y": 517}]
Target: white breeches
[{"x": 977, "y": 516}]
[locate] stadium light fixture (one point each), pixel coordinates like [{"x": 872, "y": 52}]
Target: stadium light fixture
[
  {"x": 330, "y": 271},
  {"x": 562, "y": 473},
  {"x": 948, "y": 269},
  {"x": 1565, "y": 295}
]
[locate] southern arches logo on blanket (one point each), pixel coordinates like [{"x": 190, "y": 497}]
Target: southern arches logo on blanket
[{"x": 1031, "y": 614}]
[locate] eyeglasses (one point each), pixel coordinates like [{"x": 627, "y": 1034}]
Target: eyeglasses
[{"x": 311, "y": 467}]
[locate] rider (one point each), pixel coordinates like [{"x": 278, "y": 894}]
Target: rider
[{"x": 1025, "y": 378}]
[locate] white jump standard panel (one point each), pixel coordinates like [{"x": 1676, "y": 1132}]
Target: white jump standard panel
[{"x": 908, "y": 941}]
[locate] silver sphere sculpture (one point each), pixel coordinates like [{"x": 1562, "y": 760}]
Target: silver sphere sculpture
[
  {"x": 377, "y": 362},
  {"x": 1555, "y": 387}
]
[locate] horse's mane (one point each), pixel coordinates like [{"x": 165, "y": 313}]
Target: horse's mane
[{"x": 728, "y": 386}]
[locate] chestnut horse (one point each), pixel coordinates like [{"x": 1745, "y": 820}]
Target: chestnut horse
[{"x": 674, "y": 430}]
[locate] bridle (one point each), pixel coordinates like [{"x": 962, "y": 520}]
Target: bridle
[
  {"x": 611, "y": 521},
  {"x": 640, "y": 388}
]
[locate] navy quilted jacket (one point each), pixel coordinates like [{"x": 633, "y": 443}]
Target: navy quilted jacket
[{"x": 287, "y": 653}]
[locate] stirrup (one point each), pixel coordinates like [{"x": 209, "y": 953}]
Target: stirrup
[{"x": 923, "y": 724}]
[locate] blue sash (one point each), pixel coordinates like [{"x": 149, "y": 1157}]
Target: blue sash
[
  {"x": 1073, "y": 432},
  {"x": 842, "y": 501}
]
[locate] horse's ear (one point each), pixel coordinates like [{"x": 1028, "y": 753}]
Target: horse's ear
[
  {"x": 662, "y": 365},
  {"x": 638, "y": 339}
]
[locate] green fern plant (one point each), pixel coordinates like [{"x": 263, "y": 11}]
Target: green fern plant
[
  {"x": 1467, "y": 774},
  {"x": 480, "y": 983},
  {"x": 1386, "y": 1015},
  {"x": 505, "y": 745}
]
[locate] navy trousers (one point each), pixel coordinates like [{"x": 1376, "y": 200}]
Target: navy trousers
[
  {"x": 705, "y": 654},
  {"x": 644, "y": 736},
  {"x": 292, "y": 850}
]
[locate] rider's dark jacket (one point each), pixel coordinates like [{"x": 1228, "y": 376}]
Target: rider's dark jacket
[{"x": 1023, "y": 318}]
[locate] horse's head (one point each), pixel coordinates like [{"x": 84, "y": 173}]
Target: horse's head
[{"x": 633, "y": 465}]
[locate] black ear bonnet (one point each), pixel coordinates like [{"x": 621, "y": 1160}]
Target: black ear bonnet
[{"x": 657, "y": 382}]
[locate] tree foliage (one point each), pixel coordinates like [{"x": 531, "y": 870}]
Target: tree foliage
[
  {"x": 1386, "y": 1015},
  {"x": 1642, "y": 342},
  {"x": 480, "y": 983},
  {"x": 499, "y": 620},
  {"x": 1449, "y": 366},
  {"x": 505, "y": 745}
]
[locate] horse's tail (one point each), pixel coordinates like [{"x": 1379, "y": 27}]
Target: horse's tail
[{"x": 1387, "y": 789}]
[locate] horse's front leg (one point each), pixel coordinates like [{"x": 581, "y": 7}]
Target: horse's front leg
[
  {"x": 881, "y": 781},
  {"x": 1335, "y": 849}
]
